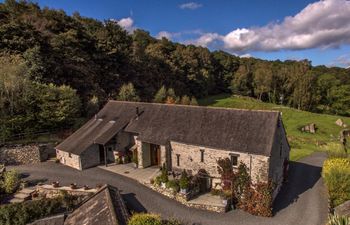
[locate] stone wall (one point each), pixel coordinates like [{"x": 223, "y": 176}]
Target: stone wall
[
  {"x": 91, "y": 157},
  {"x": 24, "y": 154},
  {"x": 69, "y": 159},
  {"x": 48, "y": 191},
  {"x": 146, "y": 155},
  {"x": 280, "y": 153},
  {"x": 190, "y": 159},
  {"x": 183, "y": 199}
]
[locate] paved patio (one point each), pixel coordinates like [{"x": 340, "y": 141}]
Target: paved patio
[
  {"x": 128, "y": 170},
  {"x": 207, "y": 199}
]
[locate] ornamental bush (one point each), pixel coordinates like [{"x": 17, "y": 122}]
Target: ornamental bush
[
  {"x": 145, "y": 219},
  {"x": 164, "y": 175},
  {"x": 338, "y": 220},
  {"x": 29, "y": 211},
  {"x": 10, "y": 181},
  {"x": 173, "y": 184},
  {"x": 184, "y": 180}
]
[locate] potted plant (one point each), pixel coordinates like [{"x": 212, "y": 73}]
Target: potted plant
[
  {"x": 164, "y": 177},
  {"x": 73, "y": 186},
  {"x": 184, "y": 182},
  {"x": 126, "y": 158},
  {"x": 225, "y": 196},
  {"x": 55, "y": 184}
]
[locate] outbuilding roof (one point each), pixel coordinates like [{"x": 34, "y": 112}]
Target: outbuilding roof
[
  {"x": 104, "y": 207},
  {"x": 239, "y": 130}
]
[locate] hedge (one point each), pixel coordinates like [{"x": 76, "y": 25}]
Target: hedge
[{"x": 336, "y": 174}]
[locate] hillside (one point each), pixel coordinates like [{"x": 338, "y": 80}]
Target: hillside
[
  {"x": 302, "y": 144},
  {"x": 56, "y": 68}
]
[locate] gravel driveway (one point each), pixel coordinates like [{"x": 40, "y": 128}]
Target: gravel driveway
[{"x": 302, "y": 201}]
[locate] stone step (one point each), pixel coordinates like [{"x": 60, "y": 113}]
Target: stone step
[
  {"x": 23, "y": 196},
  {"x": 27, "y": 190},
  {"x": 16, "y": 200}
]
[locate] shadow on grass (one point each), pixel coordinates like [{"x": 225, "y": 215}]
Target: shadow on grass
[{"x": 302, "y": 177}]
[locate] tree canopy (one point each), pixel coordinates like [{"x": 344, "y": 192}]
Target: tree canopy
[{"x": 99, "y": 60}]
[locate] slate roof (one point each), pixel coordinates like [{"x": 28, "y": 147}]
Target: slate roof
[
  {"x": 53, "y": 220},
  {"x": 238, "y": 130},
  {"x": 106, "y": 207}
]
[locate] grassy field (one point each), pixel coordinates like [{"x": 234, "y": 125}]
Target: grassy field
[{"x": 302, "y": 144}]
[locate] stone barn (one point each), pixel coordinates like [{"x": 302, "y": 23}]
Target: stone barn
[{"x": 181, "y": 137}]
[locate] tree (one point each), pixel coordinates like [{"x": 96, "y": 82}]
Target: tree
[
  {"x": 161, "y": 95},
  {"x": 128, "y": 93},
  {"x": 171, "y": 93},
  {"x": 185, "y": 100},
  {"x": 58, "y": 105},
  {"x": 193, "y": 101}
]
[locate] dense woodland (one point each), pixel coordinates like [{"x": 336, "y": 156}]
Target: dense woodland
[{"x": 55, "y": 68}]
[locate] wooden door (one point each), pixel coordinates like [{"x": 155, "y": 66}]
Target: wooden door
[{"x": 155, "y": 154}]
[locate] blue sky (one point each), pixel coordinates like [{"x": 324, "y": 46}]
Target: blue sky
[{"x": 269, "y": 29}]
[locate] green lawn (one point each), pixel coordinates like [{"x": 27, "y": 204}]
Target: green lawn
[{"x": 302, "y": 144}]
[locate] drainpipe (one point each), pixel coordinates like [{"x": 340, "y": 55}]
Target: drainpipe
[{"x": 105, "y": 153}]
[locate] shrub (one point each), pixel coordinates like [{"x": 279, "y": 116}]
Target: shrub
[
  {"x": 336, "y": 173},
  {"x": 172, "y": 222},
  {"x": 338, "y": 220},
  {"x": 257, "y": 199},
  {"x": 173, "y": 184},
  {"x": 10, "y": 181},
  {"x": 157, "y": 181},
  {"x": 184, "y": 180},
  {"x": 27, "y": 212},
  {"x": 145, "y": 219},
  {"x": 164, "y": 176}
]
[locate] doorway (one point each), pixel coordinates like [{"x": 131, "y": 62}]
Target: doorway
[
  {"x": 102, "y": 154},
  {"x": 155, "y": 154}
]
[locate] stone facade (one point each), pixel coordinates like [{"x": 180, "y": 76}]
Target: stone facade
[
  {"x": 90, "y": 157},
  {"x": 190, "y": 160},
  {"x": 280, "y": 154},
  {"x": 23, "y": 154},
  {"x": 68, "y": 159}
]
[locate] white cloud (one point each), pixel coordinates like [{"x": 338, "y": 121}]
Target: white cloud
[
  {"x": 165, "y": 34},
  {"x": 190, "y": 5},
  {"x": 204, "y": 39},
  {"x": 169, "y": 35},
  {"x": 246, "y": 55},
  {"x": 127, "y": 23},
  {"x": 323, "y": 24},
  {"x": 343, "y": 61},
  {"x": 174, "y": 35}
]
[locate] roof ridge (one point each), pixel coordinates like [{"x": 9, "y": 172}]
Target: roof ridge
[{"x": 197, "y": 106}]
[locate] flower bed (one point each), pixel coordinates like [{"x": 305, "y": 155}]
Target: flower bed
[{"x": 181, "y": 190}]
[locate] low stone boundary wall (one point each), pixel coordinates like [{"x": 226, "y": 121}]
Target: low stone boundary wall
[
  {"x": 183, "y": 199},
  {"x": 49, "y": 191},
  {"x": 24, "y": 154}
]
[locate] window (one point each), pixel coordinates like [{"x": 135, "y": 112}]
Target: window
[
  {"x": 70, "y": 155},
  {"x": 177, "y": 159},
  {"x": 202, "y": 155},
  {"x": 234, "y": 160}
]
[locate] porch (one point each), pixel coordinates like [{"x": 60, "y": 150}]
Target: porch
[{"x": 143, "y": 175}]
